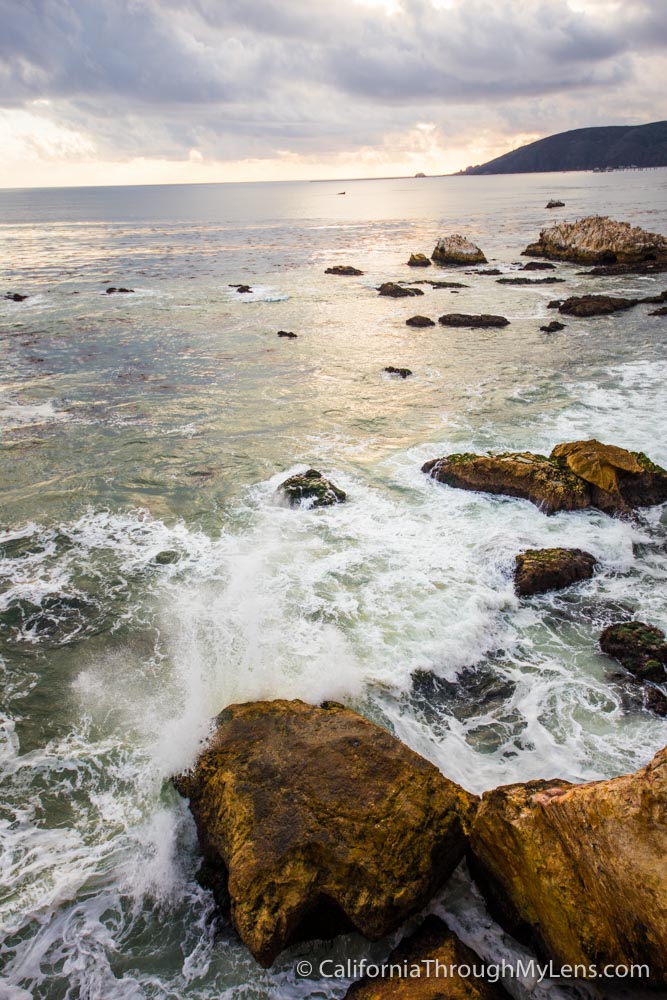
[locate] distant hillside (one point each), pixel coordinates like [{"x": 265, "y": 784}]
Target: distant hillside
[{"x": 585, "y": 149}]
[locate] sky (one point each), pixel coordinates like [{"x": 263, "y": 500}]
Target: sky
[{"x": 171, "y": 91}]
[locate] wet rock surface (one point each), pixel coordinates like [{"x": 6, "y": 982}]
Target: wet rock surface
[
  {"x": 344, "y": 269},
  {"x": 540, "y": 570},
  {"x": 312, "y": 487},
  {"x": 316, "y": 821},
  {"x": 594, "y": 305},
  {"x": 396, "y": 291},
  {"x": 457, "y": 250},
  {"x": 482, "y": 321},
  {"x": 553, "y": 327},
  {"x": 419, "y": 321},
  {"x": 641, "y": 648},
  {"x": 599, "y": 240},
  {"x": 619, "y": 480},
  {"x": 577, "y": 871},
  {"x": 538, "y": 265}
]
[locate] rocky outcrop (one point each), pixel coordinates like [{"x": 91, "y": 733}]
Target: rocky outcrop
[
  {"x": 551, "y": 280},
  {"x": 419, "y": 260},
  {"x": 599, "y": 240},
  {"x": 403, "y": 372},
  {"x": 474, "y": 322},
  {"x": 344, "y": 269},
  {"x": 553, "y": 327},
  {"x": 320, "y": 821},
  {"x": 432, "y": 947},
  {"x": 537, "y": 571},
  {"x": 554, "y": 203},
  {"x": 312, "y": 487},
  {"x": 395, "y": 291},
  {"x": 641, "y": 648},
  {"x": 457, "y": 250},
  {"x": 585, "y": 306},
  {"x": 419, "y": 321},
  {"x": 575, "y": 476},
  {"x": 578, "y": 871}
]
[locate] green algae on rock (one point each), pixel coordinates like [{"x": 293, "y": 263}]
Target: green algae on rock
[
  {"x": 319, "y": 821},
  {"x": 311, "y": 486},
  {"x": 540, "y": 570},
  {"x": 641, "y": 648}
]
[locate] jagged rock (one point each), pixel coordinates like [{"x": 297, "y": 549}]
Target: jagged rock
[
  {"x": 641, "y": 649},
  {"x": 538, "y": 265},
  {"x": 395, "y": 291},
  {"x": 457, "y": 250},
  {"x": 419, "y": 260},
  {"x": 599, "y": 240},
  {"x": 288, "y": 334},
  {"x": 619, "y": 480},
  {"x": 469, "y": 320},
  {"x": 344, "y": 269},
  {"x": 313, "y": 487},
  {"x": 594, "y": 305},
  {"x": 578, "y": 871},
  {"x": 433, "y": 946},
  {"x": 403, "y": 372},
  {"x": 554, "y": 203},
  {"x": 419, "y": 321},
  {"x": 552, "y": 327},
  {"x": 540, "y": 570},
  {"x": 320, "y": 821},
  {"x": 531, "y": 477},
  {"x": 551, "y": 280},
  {"x": 15, "y": 297}
]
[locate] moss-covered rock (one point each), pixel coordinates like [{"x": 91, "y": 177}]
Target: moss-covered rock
[
  {"x": 578, "y": 871},
  {"x": 312, "y": 487},
  {"x": 620, "y": 480},
  {"x": 641, "y": 648},
  {"x": 540, "y": 570},
  {"x": 322, "y": 822},
  {"x": 433, "y": 946}
]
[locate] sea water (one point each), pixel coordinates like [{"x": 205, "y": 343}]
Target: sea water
[{"x": 149, "y": 577}]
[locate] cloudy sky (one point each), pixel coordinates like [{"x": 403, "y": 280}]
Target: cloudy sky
[{"x": 143, "y": 91}]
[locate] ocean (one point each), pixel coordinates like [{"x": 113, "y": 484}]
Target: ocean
[{"x": 148, "y": 577}]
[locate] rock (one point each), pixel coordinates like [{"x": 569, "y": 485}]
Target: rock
[
  {"x": 538, "y": 265},
  {"x": 578, "y": 871},
  {"x": 491, "y": 271},
  {"x": 420, "y": 173},
  {"x": 641, "y": 649},
  {"x": 320, "y": 821},
  {"x": 288, "y": 334},
  {"x": 524, "y": 475},
  {"x": 167, "y": 557},
  {"x": 15, "y": 297},
  {"x": 554, "y": 203},
  {"x": 403, "y": 372},
  {"x": 551, "y": 280},
  {"x": 457, "y": 250},
  {"x": 419, "y": 321},
  {"x": 311, "y": 486},
  {"x": 659, "y": 312},
  {"x": 619, "y": 480},
  {"x": 553, "y": 327},
  {"x": 610, "y": 270},
  {"x": 344, "y": 269},
  {"x": 432, "y": 943},
  {"x": 555, "y": 304},
  {"x": 397, "y": 291},
  {"x": 594, "y": 305},
  {"x": 469, "y": 320},
  {"x": 243, "y": 289},
  {"x": 119, "y": 291},
  {"x": 419, "y": 260},
  {"x": 437, "y": 284},
  {"x": 599, "y": 240},
  {"x": 540, "y": 570}
]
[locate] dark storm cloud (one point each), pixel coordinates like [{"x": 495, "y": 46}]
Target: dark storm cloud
[{"x": 156, "y": 77}]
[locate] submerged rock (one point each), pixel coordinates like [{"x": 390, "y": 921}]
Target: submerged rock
[
  {"x": 403, "y": 372},
  {"x": 15, "y": 297},
  {"x": 119, "y": 291},
  {"x": 457, "y": 250},
  {"x": 395, "y": 291},
  {"x": 553, "y": 327},
  {"x": 311, "y": 486},
  {"x": 319, "y": 821},
  {"x": 473, "y": 321},
  {"x": 419, "y": 321},
  {"x": 578, "y": 871},
  {"x": 436, "y": 284},
  {"x": 610, "y": 270},
  {"x": 288, "y": 334},
  {"x": 419, "y": 260},
  {"x": 540, "y": 570},
  {"x": 599, "y": 240},
  {"x": 641, "y": 648},
  {"x": 489, "y": 273},
  {"x": 344, "y": 269},
  {"x": 554, "y": 203},
  {"x": 538, "y": 265},
  {"x": 594, "y": 305},
  {"x": 243, "y": 289},
  {"x": 433, "y": 946}
]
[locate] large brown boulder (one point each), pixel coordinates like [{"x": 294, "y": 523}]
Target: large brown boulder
[
  {"x": 578, "y": 871},
  {"x": 457, "y": 250},
  {"x": 598, "y": 240},
  {"x": 540, "y": 570},
  {"x": 419, "y": 260},
  {"x": 517, "y": 474},
  {"x": 619, "y": 480},
  {"x": 432, "y": 947},
  {"x": 322, "y": 821}
]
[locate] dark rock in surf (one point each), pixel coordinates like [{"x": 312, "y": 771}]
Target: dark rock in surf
[
  {"x": 344, "y": 269},
  {"x": 312, "y": 487},
  {"x": 537, "y": 571},
  {"x": 419, "y": 321},
  {"x": 167, "y": 557},
  {"x": 490, "y": 272},
  {"x": 15, "y": 297},
  {"x": 403, "y": 372},
  {"x": 538, "y": 265},
  {"x": 419, "y": 260},
  {"x": 554, "y": 203},
  {"x": 659, "y": 312},
  {"x": 120, "y": 291},
  {"x": 287, "y": 334},
  {"x": 395, "y": 291},
  {"x": 551, "y": 280},
  {"x": 641, "y": 648},
  {"x": 585, "y": 306},
  {"x": 552, "y": 327},
  {"x": 472, "y": 321},
  {"x": 555, "y": 304},
  {"x": 320, "y": 822}
]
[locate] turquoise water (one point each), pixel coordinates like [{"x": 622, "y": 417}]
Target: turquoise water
[{"x": 162, "y": 421}]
